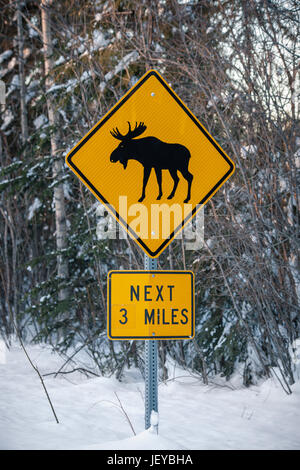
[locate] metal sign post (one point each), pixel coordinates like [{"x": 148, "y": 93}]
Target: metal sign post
[
  {"x": 151, "y": 365},
  {"x": 149, "y": 130}
]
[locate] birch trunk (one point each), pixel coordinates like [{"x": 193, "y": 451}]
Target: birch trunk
[
  {"x": 59, "y": 199},
  {"x": 24, "y": 121}
]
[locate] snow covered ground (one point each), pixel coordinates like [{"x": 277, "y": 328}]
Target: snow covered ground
[{"x": 222, "y": 415}]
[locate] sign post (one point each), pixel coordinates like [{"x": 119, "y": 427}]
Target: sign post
[
  {"x": 154, "y": 166},
  {"x": 151, "y": 365},
  {"x": 151, "y": 305}
]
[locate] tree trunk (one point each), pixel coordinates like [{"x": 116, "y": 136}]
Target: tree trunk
[
  {"x": 24, "y": 122},
  {"x": 59, "y": 199}
]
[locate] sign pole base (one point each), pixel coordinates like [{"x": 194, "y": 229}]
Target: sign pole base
[{"x": 151, "y": 367}]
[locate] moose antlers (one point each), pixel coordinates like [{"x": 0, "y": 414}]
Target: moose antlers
[{"x": 138, "y": 130}]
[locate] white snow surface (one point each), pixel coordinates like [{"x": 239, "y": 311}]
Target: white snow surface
[{"x": 221, "y": 415}]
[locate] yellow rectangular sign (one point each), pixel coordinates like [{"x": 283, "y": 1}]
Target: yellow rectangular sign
[{"x": 150, "y": 305}]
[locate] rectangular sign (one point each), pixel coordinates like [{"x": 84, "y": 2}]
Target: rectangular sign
[{"x": 150, "y": 305}]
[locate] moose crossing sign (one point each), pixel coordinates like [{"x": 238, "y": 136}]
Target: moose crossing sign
[
  {"x": 150, "y": 305},
  {"x": 151, "y": 163}
]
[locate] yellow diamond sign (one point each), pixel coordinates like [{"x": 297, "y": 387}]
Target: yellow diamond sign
[{"x": 151, "y": 163}]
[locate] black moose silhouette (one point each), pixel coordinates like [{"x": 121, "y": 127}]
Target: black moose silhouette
[{"x": 153, "y": 153}]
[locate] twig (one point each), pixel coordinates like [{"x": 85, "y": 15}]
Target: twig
[
  {"x": 288, "y": 390},
  {"x": 80, "y": 369},
  {"x": 127, "y": 417},
  {"x": 32, "y": 25},
  {"x": 74, "y": 354},
  {"x": 120, "y": 407},
  {"x": 37, "y": 371},
  {"x": 183, "y": 252},
  {"x": 120, "y": 367},
  {"x": 204, "y": 370}
]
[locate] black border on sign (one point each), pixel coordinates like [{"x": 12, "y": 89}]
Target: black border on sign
[
  {"x": 117, "y": 215},
  {"x": 109, "y": 280}
]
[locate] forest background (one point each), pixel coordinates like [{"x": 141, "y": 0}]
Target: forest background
[{"x": 236, "y": 66}]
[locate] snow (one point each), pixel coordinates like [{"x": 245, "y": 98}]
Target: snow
[
  {"x": 32, "y": 90},
  {"x": 154, "y": 419},
  {"x": 297, "y": 154},
  {"x": 158, "y": 48},
  {"x": 45, "y": 297},
  {"x": 3, "y": 72},
  {"x": 40, "y": 121},
  {"x": 32, "y": 32},
  {"x": 212, "y": 101},
  {"x": 14, "y": 85},
  {"x": 146, "y": 440},
  {"x": 85, "y": 76},
  {"x": 129, "y": 34},
  {"x": 12, "y": 63},
  {"x": 221, "y": 415},
  {"x": 71, "y": 84},
  {"x": 33, "y": 208},
  {"x": 99, "y": 40},
  {"x": 60, "y": 60},
  {"x": 5, "y": 55},
  {"x": 131, "y": 57},
  {"x": 67, "y": 190},
  {"x": 98, "y": 17},
  {"x": 248, "y": 150},
  {"x": 8, "y": 117},
  {"x": 15, "y": 81},
  {"x": 56, "y": 87}
]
